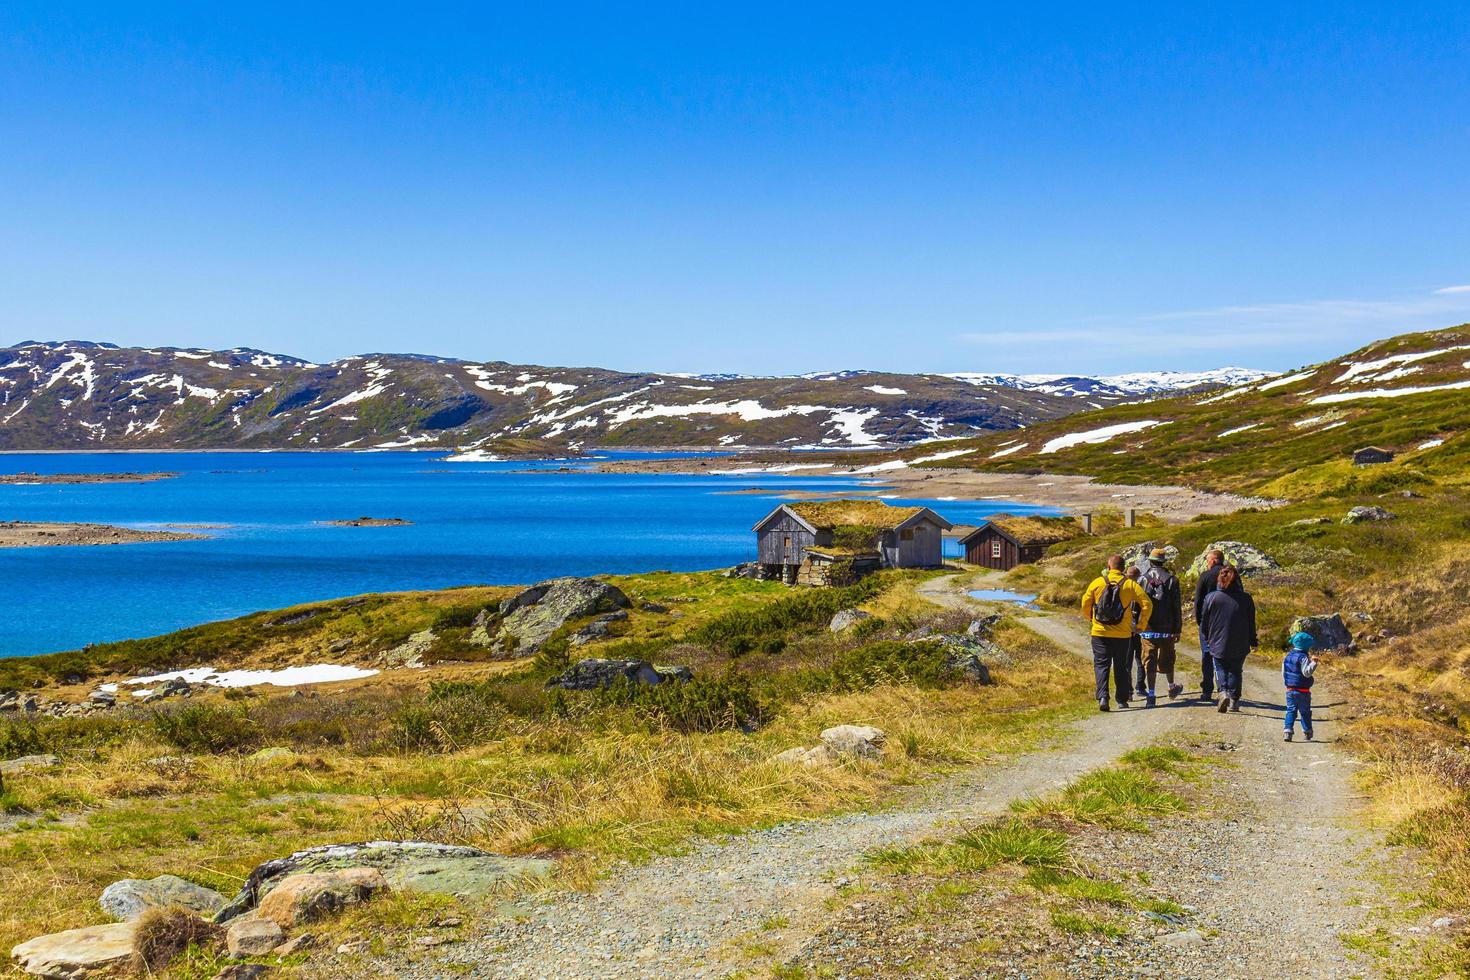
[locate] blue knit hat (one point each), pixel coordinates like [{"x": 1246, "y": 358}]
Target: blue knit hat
[{"x": 1303, "y": 641}]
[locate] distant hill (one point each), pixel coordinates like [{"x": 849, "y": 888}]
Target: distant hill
[
  {"x": 1288, "y": 435},
  {"x": 84, "y": 395}
]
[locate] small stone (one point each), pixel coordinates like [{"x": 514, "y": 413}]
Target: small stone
[
  {"x": 1188, "y": 937},
  {"x": 846, "y": 619},
  {"x": 296, "y": 944},
  {"x": 1359, "y": 515},
  {"x": 253, "y": 937},
  {"x": 857, "y": 740},
  {"x": 28, "y": 763},
  {"x": 129, "y": 898}
]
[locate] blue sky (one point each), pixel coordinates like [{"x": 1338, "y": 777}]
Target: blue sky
[{"x": 753, "y": 188}]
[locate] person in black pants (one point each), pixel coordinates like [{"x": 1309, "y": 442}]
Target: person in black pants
[
  {"x": 1107, "y": 604},
  {"x": 1229, "y": 624},
  {"x": 1208, "y": 580},
  {"x": 1135, "y": 644}
]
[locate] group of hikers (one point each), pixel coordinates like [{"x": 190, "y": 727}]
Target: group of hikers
[{"x": 1137, "y": 616}]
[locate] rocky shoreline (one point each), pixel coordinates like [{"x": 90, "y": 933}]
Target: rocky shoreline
[
  {"x": 41, "y": 534},
  {"x": 1075, "y": 494}
]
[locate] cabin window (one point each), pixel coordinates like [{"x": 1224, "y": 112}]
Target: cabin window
[
  {"x": 906, "y": 535},
  {"x": 787, "y": 543},
  {"x": 995, "y": 549}
]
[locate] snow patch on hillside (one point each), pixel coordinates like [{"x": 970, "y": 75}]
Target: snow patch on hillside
[
  {"x": 1094, "y": 436},
  {"x": 1348, "y": 396}
]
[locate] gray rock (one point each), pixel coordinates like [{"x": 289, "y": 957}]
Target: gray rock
[
  {"x": 126, "y": 900},
  {"x": 243, "y": 971},
  {"x": 982, "y": 627},
  {"x": 253, "y": 937},
  {"x": 653, "y": 607},
  {"x": 800, "y": 756},
  {"x": 410, "y": 653},
  {"x": 1137, "y": 554},
  {"x": 420, "y": 866},
  {"x": 77, "y": 952},
  {"x": 971, "y": 654},
  {"x": 1330, "y": 632},
  {"x": 28, "y": 763},
  {"x": 846, "y": 619},
  {"x": 1360, "y": 515},
  {"x": 599, "y": 629},
  {"x": 595, "y": 674},
  {"x": 747, "y": 569},
  {"x": 854, "y": 740},
  {"x": 1246, "y": 557},
  {"x": 105, "y": 698},
  {"x": 1179, "y": 940},
  {"x": 535, "y": 614},
  {"x": 1311, "y": 522}
]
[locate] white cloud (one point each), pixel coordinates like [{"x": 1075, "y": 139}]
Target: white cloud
[{"x": 1448, "y": 290}]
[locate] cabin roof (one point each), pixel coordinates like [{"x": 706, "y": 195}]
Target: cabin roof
[
  {"x": 1027, "y": 530},
  {"x": 871, "y": 515}
]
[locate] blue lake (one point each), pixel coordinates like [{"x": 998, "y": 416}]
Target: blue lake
[{"x": 473, "y": 523}]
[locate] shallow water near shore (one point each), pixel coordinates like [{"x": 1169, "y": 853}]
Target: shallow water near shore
[{"x": 472, "y": 523}]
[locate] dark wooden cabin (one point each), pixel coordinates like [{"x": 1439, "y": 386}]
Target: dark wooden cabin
[
  {"x": 808, "y": 542},
  {"x": 1371, "y": 456},
  {"x": 1004, "y": 541}
]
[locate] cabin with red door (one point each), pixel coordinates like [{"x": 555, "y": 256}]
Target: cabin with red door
[{"x": 1005, "y": 541}]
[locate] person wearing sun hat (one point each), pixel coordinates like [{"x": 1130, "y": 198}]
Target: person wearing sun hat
[
  {"x": 1164, "y": 626},
  {"x": 1298, "y": 671}
]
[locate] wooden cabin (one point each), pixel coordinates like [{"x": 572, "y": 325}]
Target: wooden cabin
[
  {"x": 832, "y": 542},
  {"x": 1005, "y": 541},
  {"x": 1371, "y": 456}
]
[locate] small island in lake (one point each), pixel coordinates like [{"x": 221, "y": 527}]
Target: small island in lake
[
  {"x": 36, "y": 534},
  {"x": 370, "y": 522},
  {"x": 28, "y": 478}
]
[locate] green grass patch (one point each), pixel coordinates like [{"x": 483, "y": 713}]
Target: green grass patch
[
  {"x": 1117, "y": 798},
  {"x": 1011, "y": 842},
  {"x": 1088, "y": 925}
]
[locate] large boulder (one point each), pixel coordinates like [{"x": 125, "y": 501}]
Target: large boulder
[
  {"x": 77, "y": 952},
  {"x": 417, "y": 866},
  {"x": 1360, "y": 515},
  {"x": 128, "y": 899},
  {"x": 1137, "y": 554},
  {"x": 530, "y": 618},
  {"x": 1330, "y": 632},
  {"x": 1246, "y": 557},
  {"x": 303, "y": 897},
  {"x": 845, "y": 619},
  {"x": 854, "y": 740},
  {"x": 595, "y": 674}
]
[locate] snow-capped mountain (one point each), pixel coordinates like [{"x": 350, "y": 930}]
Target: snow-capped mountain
[
  {"x": 83, "y": 395},
  {"x": 1112, "y": 387}
]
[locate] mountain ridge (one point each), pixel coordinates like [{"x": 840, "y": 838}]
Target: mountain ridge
[{"x": 82, "y": 394}]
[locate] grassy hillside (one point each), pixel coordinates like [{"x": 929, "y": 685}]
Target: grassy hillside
[{"x": 1289, "y": 436}]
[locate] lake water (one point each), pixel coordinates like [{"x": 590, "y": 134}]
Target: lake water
[{"x": 473, "y": 523}]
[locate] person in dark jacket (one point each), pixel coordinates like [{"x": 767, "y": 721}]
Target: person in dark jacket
[
  {"x": 1164, "y": 628},
  {"x": 1229, "y": 625},
  {"x": 1135, "y": 644},
  {"x": 1208, "y": 580}
]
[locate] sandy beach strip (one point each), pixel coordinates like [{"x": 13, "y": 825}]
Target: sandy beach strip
[{"x": 41, "y": 534}]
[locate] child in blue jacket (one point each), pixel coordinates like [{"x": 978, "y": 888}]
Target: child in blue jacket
[{"x": 1297, "y": 671}]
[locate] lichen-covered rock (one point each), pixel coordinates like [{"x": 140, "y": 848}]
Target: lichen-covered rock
[
  {"x": 1246, "y": 557},
  {"x": 1360, "y": 515},
  {"x": 418, "y": 866},
  {"x": 594, "y": 674},
  {"x": 531, "y": 617},
  {"x": 28, "y": 763},
  {"x": 77, "y": 953},
  {"x": 845, "y": 619},
  {"x": 304, "y": 897},
  {"x": 1137, "y": 554},
  {"x": 128, "y": 899},
  {"x": 1330, "y": 632},
  {"x": 800, "y": 756},
  {"x": 410, "y": 653},
  {"x": 1311, "y": 522},
  {"x": 253, "y": 936},
  {"x": 599, "y": 629},
  {"x": 854, "y": 740}
]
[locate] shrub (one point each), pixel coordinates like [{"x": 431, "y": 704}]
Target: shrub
[
  {"x": 705, "y": 704},
  {"x": 921, "y": 664},
  {"x": 165, "y": 933},
  {"x": 454, "y": 714},
  {"x": 206, "y": 728},
  {"x": 742, "y": 629}
]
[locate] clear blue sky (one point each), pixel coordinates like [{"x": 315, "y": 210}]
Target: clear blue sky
[{"x": 758, "y": 188}]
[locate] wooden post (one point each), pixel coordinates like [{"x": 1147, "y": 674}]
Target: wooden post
[
  {"x": 1086, "y": 523},
  {"x": 1130, "y": 519}
]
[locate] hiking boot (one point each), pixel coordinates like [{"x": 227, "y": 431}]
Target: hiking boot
[
  {"x": 1286, "y": 736},
  {"x": 1307, "y": 736},
  {"x": 1235, "y": 704},
  {"x": 1223, "y": 706},
  {"x": 1102, "y": 704},
  {"x": 1208, "y": 697},
  {"x": 1123, "y": 705},
  {"x": 1148, "y": 701},
  {"x": 1175, "y": 690}
]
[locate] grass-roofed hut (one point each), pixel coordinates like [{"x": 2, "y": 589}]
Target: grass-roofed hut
[
  {"x": 827, "y": 542},
  {"x": 1005, "y": 540}
]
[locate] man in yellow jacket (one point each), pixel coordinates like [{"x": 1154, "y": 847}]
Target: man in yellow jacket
[{"x": 1107, "y": 604}]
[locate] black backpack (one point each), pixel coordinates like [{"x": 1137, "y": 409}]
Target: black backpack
[
  {"x": 1109, "y": 609},
  {"x": 1156, "y": 582}
]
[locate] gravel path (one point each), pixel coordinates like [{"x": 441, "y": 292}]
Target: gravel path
[{"x": 1279, "y": 873}]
